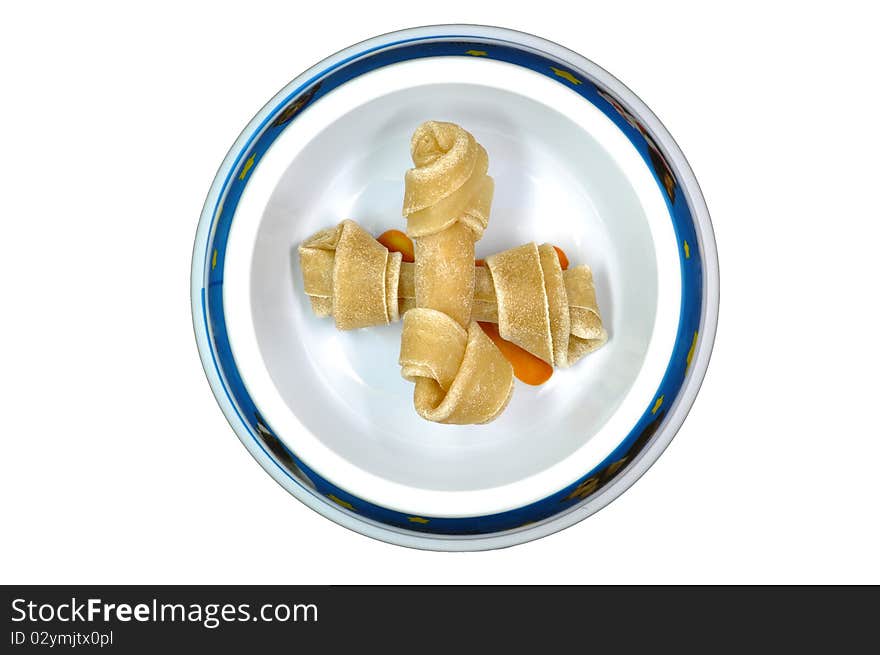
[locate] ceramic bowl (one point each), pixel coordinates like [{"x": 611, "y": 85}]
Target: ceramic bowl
[{"x": 578, "y": 161}]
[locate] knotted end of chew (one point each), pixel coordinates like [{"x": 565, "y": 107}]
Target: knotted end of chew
[
  {"x": 351, "y": 276},
  {"x": 547, "y": 311},
  {"x": 449, "y": 182},
  {"x": 460, "y": 375}
]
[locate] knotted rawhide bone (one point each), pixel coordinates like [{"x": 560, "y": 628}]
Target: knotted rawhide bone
[
  {"x": 460, "y": 375},
  {"x": 351, "y": 276},
  {"x": 516, "y": 276}
]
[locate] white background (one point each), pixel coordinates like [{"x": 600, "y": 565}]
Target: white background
[{"x": 117, "y": 465}]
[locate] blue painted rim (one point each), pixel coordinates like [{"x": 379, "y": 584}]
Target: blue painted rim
[{"x": 283, "y": 114}]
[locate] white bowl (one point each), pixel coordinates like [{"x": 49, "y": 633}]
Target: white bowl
[{"x": 578, "y": 161}]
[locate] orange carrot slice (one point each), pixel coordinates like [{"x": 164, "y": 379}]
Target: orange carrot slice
[
  {"x": 479, "y": 262},
  {"x": 526, "y": 366},
  {"x": 397, "y": 241},
  {"x": 563, "y": 260}
]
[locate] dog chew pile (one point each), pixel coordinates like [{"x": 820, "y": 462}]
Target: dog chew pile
[
  {"x": 460, "y": 375},
  {"x": 514, "y": 274}
]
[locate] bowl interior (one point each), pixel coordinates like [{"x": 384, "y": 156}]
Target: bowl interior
[{"x": 337, "y": 398}]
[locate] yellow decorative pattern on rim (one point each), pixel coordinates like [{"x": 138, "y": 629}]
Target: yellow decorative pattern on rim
[
  {"x": 691, "y": 351},
  {"x": 340, "y": 502},
  {"x": 657, "y": 405},
  {"x": 248, "y": 165},
  {"x": 564, "y": 74}
]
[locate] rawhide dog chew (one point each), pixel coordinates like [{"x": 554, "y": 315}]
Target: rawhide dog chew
[
  {"x": 460, "y": 375},
  {"x": 549, "y": 312}
]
